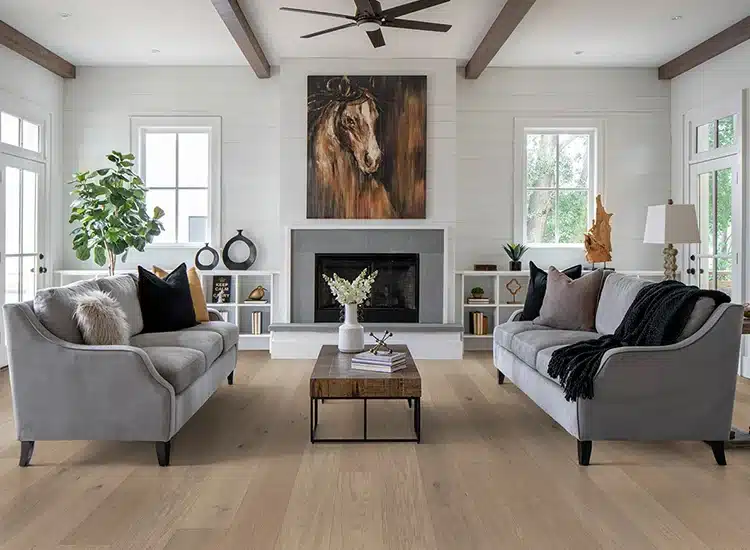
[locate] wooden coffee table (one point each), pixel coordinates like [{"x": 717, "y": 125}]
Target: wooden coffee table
[{"x": 333, "y": 378}]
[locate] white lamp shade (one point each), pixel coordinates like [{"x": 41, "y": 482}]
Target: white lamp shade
[{"x": 672, "y": 224}]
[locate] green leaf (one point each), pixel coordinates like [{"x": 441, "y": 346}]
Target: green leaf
[
  {"x": 100, "y": 255},
  {"x": 158, "y": 213}
]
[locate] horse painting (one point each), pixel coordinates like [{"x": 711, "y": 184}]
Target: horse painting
[{"x": 366, "y": 147}]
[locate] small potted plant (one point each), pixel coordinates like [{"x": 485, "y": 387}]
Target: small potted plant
[
  {"x": 477, "y": 292},
  {"x": 515, "y": 252}
]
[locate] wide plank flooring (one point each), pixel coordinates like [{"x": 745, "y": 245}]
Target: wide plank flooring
[{"x": 493, "y": 471}]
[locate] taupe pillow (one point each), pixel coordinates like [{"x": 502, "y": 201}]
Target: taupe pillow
[{"x": 570, "y": 304}]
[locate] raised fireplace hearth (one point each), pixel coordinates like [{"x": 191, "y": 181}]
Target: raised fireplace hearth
[{"x": 395, "y": 292}]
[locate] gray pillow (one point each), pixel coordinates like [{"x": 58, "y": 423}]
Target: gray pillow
[
  {"x": 101, "y": 319},
  {"x": 702, "y": 310},
  {"x": 124, "y": 289},
  {"x": 54, "y": 307},
  {"x": 570, "y": 304}
]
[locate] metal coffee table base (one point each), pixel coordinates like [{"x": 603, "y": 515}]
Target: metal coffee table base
[{"x": 414, "y": 402}]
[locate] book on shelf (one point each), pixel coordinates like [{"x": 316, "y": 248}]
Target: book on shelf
[
  {"x": 256, "y": 301},
  {"x": 477, "y": 300},
  {"x": 256, "y": 322},
  {"x": 479, "y": 323},
  {"x": 358, "y": 365}
]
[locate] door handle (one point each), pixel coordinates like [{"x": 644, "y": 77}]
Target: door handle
[
  {"x": 690, "y": 271},
  {"x": 42, "y": 269}
]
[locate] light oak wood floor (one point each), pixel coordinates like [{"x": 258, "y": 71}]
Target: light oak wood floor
[{"x": 493, "y": 472}]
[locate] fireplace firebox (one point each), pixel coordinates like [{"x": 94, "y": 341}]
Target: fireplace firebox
[{"x": 395, "y": 292}]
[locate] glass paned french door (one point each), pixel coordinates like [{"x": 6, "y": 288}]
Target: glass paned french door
[
  {"x": 21, "y": 257},
  {"x": 714, "y": 262}
]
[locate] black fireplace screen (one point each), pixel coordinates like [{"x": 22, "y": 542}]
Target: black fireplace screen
[{"x": 395, "y": 293}]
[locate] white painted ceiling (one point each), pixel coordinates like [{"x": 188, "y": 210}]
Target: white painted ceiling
[{"x": 189, "y": 32}]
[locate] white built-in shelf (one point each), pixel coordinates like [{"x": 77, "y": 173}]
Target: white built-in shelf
[
  {"x": 494, "y": 286},
  {"x": 254, "y": 305}
]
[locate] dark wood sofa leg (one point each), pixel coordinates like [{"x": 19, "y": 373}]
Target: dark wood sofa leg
[
  {"x": 27, "y": 449},
  {"x": 718, "y": 448},
  {"x": 163, "y": 449},
  {"x": 230, "y": 378},
  {"x": 584, "y": 452},
  {"x": 500, "y": 377}
]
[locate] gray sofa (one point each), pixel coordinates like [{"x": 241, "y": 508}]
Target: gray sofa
[
  {"x": 684, "y": 391},
  {"x": 146, "y": 391}
]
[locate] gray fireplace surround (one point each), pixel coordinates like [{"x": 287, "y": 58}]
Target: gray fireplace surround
[{"x": 428, "y": 243}]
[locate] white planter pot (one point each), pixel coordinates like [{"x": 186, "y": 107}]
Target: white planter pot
[{"x": 351, "y": 333}]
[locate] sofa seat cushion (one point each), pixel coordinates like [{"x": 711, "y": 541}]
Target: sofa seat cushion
[
  {"x": 504, "y": 334},
  {"x": 207, "y": 342},
  {"x": 528, "y": 344},
  {"x": 229, "y": 332},
  {"x": 542, "y": 362},
  {"x": 179, "y": 366}
]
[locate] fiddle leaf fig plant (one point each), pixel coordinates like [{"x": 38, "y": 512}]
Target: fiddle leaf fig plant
[{"x": 110, "y": 211}]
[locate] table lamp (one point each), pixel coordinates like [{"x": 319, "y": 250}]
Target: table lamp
[{"x": 671, "y": 224}]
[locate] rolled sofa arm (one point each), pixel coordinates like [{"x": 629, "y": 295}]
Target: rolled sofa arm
[
  {"x": 515, "y": 315},
  {"x": 64, "y": 391},
  {"x": 681, "y": 391},
  {"x": 214, "y": 315}
]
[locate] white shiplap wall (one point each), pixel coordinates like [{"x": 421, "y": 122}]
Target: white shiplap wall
[
  {"x": 30, "y": 90},
  {"x": 98, "y": 106},
  {"x": 470, "y": 144},
  {"x": 634, "y": 106}
]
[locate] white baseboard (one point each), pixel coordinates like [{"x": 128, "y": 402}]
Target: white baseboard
[
  {"x": 745, "y": 366},
  {"x": 306, "y": 345}
]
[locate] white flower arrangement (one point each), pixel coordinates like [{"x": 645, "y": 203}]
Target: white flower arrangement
[{"x": 355, "y": 292}]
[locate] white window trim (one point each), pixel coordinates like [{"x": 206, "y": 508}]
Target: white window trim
[
  {"x": 31, "y": 115},
  {"x": 594, "y": 126},
  {"x": 698, "y": 117},
  {"x": 140, "y": 124}
]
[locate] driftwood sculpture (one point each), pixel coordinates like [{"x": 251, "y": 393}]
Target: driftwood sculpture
[{"x": 598, "y": 241}]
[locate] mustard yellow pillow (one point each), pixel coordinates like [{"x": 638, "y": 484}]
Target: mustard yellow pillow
[{"x": 196, "y": 292}]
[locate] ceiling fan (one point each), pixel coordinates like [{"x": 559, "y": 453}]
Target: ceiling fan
[{"x": 371, "y": 17}]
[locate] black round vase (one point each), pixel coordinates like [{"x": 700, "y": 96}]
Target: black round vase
[
  {"x": 515, "y": 266},
  {"x": 252, "y": 252},
  {"x": 214, "y": 259}
]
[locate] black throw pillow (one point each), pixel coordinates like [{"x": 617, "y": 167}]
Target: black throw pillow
[
  {"x": 538, "y": 287},
  {"x": 166, "y": 303}
]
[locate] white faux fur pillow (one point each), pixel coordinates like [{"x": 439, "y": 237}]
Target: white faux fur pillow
[{"x": 101, "y": 319}]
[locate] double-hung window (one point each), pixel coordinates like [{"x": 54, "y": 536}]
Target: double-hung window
[
  {"x": 557, "y": 183},
  {"x": 179, "y": 159}
]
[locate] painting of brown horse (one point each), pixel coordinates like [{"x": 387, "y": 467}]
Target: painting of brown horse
[{"x": 366, "y": 138}]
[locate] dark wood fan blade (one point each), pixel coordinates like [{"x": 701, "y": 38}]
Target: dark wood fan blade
[
  {"x": 417, "y": 25},
  {"x": 329, "y": 30},
  {"x": 365, "y": 6},
  {"x": 376, "y": 37},
  {"x": 411, "y": 7},
  {"x": 314, "y": 12}
]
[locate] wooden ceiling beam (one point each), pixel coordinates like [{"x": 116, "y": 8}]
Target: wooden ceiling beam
[
  {"x": 509, "y": 18},
  {"x": 33, "y": 51},
  {"x": 716, "y": 45},
  {"x": 231, "y": 13}
]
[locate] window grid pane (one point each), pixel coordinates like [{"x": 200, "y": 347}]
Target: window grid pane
[
  {"x": 558, "y": 168},
  {"x": 30, "y": 136},
  {"x": 10, "y": 129},
  {"x": 178, "y": 181}
]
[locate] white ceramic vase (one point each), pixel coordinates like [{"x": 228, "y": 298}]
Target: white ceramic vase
[{"x": 351, "y": 333}]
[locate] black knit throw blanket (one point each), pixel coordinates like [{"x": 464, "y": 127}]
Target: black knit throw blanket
[{"x": 656, "y": 317}]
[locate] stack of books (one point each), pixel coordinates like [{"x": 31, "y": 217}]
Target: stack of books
[
  {"x": 379, "y": 362},
  {"x": 479, "y": 323},
  {"x": 256, "y": 324},
  {"x": 478, "y": 301}
]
